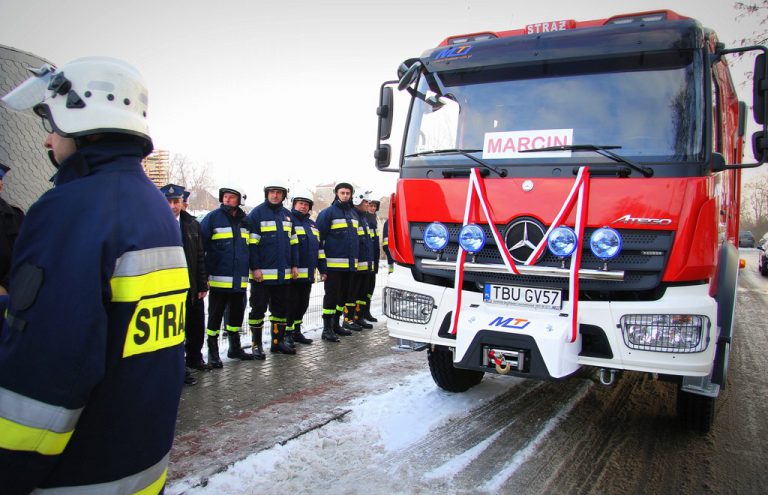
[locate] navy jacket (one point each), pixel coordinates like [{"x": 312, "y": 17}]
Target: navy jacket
[
  {"x": 338, "y": 236},
  {"x": 310, "y": 257},
  {"x": 274, "y": 246},
  {"x": 365, "y": 243},
  {"x": 227, "y": 259},
  {"x": 91, "y": 353},
  {"x": 373, "y": 229}
]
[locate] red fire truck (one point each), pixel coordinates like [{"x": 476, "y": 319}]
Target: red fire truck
[{"x": 568, "y": 197}]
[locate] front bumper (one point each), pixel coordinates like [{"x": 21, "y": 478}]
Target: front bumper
[{"x": 560, "y": 360}]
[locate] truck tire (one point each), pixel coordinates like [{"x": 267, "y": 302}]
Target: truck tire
[
  {"x": 696, "y": 412},
  {"x": 446, "y": 376}
]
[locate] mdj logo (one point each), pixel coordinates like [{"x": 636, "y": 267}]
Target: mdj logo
[
  {"x": 514, "y": 323},
  {"x": 454, "y": 51}
]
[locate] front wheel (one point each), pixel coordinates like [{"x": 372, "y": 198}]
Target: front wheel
[
  {"x": 446, "y": 376},
  {"x": 697, "y": 412}
]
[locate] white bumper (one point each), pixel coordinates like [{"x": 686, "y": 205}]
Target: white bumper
[{"x": 550, "y": 330}]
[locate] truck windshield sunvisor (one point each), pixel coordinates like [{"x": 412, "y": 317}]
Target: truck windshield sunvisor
[{"x": 581, "y": 44}]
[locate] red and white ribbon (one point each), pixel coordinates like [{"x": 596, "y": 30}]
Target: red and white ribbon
[{"x": 578, "y": 196}]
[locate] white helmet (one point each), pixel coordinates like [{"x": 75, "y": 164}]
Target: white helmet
[
  {"x": 276, "y": 183},
  {"x": 234, "y": 190},
  {"x": 303, "y": 195},
  {"x": 359, "y": 196},
  {"x": 89, "y": 95}
]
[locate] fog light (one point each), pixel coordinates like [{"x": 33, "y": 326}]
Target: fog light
[
  {"x": 471, "y": 238},
  {"x": 407, "y": 306},
  {"x": 436, "y": 236},
  {"x": 666, "y": 333},
  {"x": 562, "y": 242},
  {"x": 605, "y": 243}
]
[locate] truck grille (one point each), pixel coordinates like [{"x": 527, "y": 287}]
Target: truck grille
[{"x": 643, "y": 259}]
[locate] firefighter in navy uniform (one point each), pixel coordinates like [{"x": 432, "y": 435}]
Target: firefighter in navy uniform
[
  {"x": 373, "y": 229},
  {"x": 338, "y": 240},
  {"x": 385, "y": 246},
  {"x": 275, "y": 255},
  {"x": 310, "y": 260},
  {"x": 91, "y": 353},
  {"x": 227, "y": 259},
  {"x": 356, "y": 301}
]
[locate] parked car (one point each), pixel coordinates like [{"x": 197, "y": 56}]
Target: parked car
[{"x": 746, "y": 239}]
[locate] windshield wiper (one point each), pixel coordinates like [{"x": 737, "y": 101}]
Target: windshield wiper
[
  {"x": 500, "y": 172},
  {"x": 601, "y": 150}
]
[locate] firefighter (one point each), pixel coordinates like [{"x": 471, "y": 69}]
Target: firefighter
[
  {"x": 89, "y": 390},
  {"x": 373, "y": 229},
  {"x": 275, "y": 255},
  {"x": 194, "y": 253},
  {"x": 338, "y": 241},
  {"x": 227, "y": 259},
  {"x": 310, "y": 260},
  {"x": 355, "y": 302},
  {"x": 385, "y": 246}
]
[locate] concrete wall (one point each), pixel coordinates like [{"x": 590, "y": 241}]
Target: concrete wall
[{"x": 21, "y": 136}]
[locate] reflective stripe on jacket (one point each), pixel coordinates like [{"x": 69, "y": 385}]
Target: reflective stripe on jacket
[
  {"x": 274, "y": 245},
  {"x": 309, "y": 246},
  {"x": 227, "y": 259},
  {"x": 338, "y": 236}
]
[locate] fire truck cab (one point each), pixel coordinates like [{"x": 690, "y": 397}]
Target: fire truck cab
[{"x": 568, "y": 197}]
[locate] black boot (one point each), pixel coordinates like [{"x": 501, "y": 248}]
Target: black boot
[
  {"x": 349, "y": 320},
  {"x": 213, "y": 352},
  {"x": 198, "y": 364},
  {"x": 328, "y": 333},
  {"x": 278, "y": 340},
  {"x": 360, "y": 320},
  {"x": 337, "y": 329},
  {"x": 257, "y": 347},
  {"x": 289, "y": 338},
  {"x": 367, "y": 311},
  {"x": 188, "y": 378},
  {"x": 235, "y": 349},
  {"x": 298, "y": 336}
]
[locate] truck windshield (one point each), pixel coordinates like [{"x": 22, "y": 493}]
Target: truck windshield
[{"x": 651, "y": 105}]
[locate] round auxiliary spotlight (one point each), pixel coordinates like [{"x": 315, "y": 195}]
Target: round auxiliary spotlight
[
  {"x": 436, "y": 236},
  {"x": 471, "y": 238},
  {"x": 562, "y": 241},
  {"x": 605, "y": 243}
]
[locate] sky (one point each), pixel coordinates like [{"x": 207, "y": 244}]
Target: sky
[{"x": 288, "y": 87}]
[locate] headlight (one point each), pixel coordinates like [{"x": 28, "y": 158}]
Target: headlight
[
  {"x": 562, "y": 242},
  {"x": 471, "y": 238},
  {"x": 666, "y": 333},
  {"x": 436, "y": 236},
  {"x": 605, "y": 243}
]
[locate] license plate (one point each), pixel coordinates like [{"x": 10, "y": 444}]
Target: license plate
[{"x": 529, "y": 297}]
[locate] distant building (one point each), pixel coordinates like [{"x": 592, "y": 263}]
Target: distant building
[
  {"x": 22, "y": 135},
  {"x": 156, "y": 166}
]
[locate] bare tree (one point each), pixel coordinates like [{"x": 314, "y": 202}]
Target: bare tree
[{"x": 196, "y": 177}]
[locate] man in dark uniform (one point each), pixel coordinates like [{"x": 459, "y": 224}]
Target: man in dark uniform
[
  {"x": 92, "y": 351},
  {"x": 198, "y": 278},
  {"x": 373, "y": 229},
  {"x": 227, "y": 260},
  {"x": 310, "y": 261},
  {"x": 10, "y": 224},
  {"x": 275, "y": 255},
  {"x": 338, "y": 240}
]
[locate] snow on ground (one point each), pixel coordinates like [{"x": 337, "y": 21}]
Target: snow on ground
[{"x": 359, "y": 452}]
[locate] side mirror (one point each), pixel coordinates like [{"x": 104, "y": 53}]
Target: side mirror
[
  {"x": 385, "y": 112},
  {"x": 759, "y": 89},
  {"x": 382, "y": 155}
]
